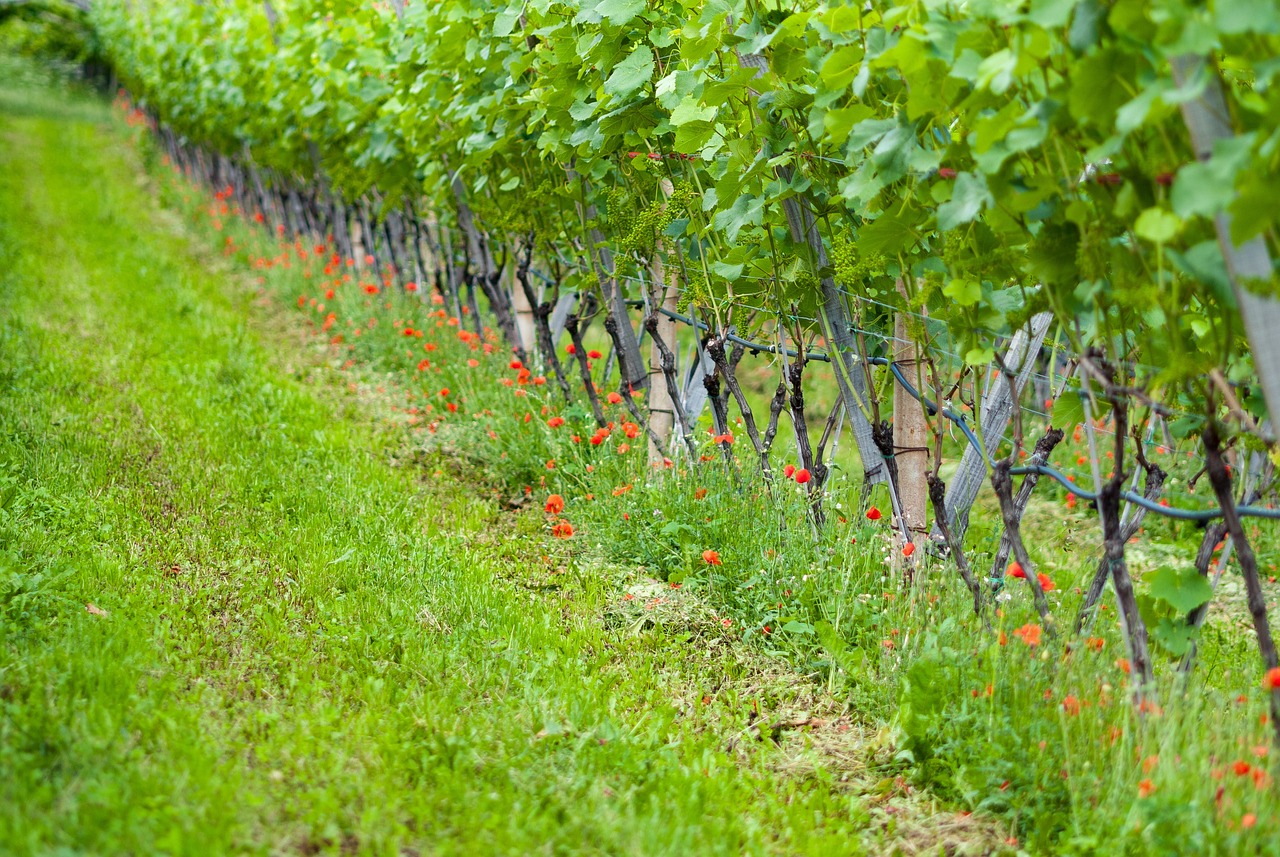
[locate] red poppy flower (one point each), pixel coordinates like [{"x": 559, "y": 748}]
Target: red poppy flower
[
  {"x": 789, "y": 471},
  {"x": 711, "y": 557},
  {"x": 803, "y": 476},
  {"x": 555, "y": 422},
  {"x": 594, "y": 355},
  {"x": 1272, "y": 679},
  {"x": 1029, "y": 634},
  {"x": 1015, "y": 570},
  {"x": 562, "y": 529},
  {"x": 614, "y": 398},
  {"x": 1045, "y": 583},
  {"x": 873, "y": 514},
  {"x": 555, "y": 504},
  {"x": 909, "y": 548}
]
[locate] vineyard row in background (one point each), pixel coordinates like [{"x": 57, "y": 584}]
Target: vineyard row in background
[
  {"x": 801, "y": 176},
  {"x": 404, "y": 250}
]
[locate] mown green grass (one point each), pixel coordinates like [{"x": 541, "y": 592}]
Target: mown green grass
[
  {"x": 307, "y": 647},
  {"x": 1040, "y": 732},
  {"x": 323, "y": 635}
]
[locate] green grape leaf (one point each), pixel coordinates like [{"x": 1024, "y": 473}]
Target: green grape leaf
[
  {"x": 963, "y": 292},
  {"x": 1052, "y": 257},
  {"x": 689, "y": 110},
  {"x": 979, "y": 355},
  {"x": 841, "y": 66},
  {"x": 1084, "y": 25},
  {"x": 1174, "y": 636},
  {"x": 1183, "y": 589},
  {"x": 727, "y": 271},
  {"x": 887, "y": 235},
  {"x": 630, "y": 74},
  {"x": 1135, "y": 111},
  {"x": 1205, "y": 188},
  {"x": 746, "y": 210},
  {"x": 838, "y": 121},
  {"x": 1247, "y": 16},
  {"x": 841, "y": 19},
  {"x": 505, "y": 22},
  {"x": 870, "y": 131},
  {"x": 1098, "y": 87},
  {"x": 1157, "y": 225},
  {"x": 619, "y": 12},
  {"x": 1051, "y": 13},
  {"x": 582, "y": 111},
  {"x": 969, "y": 196},
  {"x": 692, "y": 136},
  {"x": 1067, "y": 410},
  {"x": 1183, "y": 427},
  {"x": 1254, "y": 211}
]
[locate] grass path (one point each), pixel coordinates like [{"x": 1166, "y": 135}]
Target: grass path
[{"x": 296, "y": 646}]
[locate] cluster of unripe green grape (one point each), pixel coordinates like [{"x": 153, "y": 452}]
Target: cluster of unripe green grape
[
  {"x": 852, "y": 269},
  {"x": 619, "y": 208},
  {"x": 509, "y": 219},
  {"x": 638, "y": 230},
  {"x": 513, "y": 219},
  {"x": 696, "y": 292}
]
